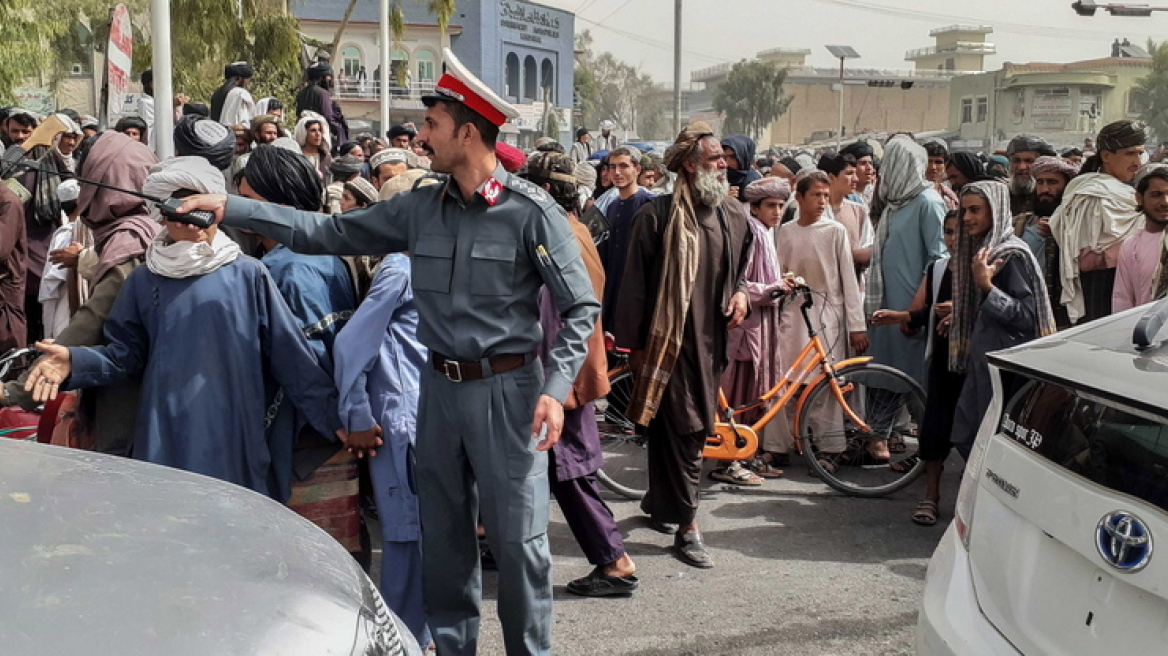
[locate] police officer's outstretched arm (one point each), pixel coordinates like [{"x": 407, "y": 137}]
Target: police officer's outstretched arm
[
  {"x": 375, "y": 230},
  {"x": 552, "y": 246}
]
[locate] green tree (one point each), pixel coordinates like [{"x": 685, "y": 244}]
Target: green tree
[
  {"x": 1150, "y": 94},
  {"x": 609, "y": 88},
  {"x": 752, "y": 97}
]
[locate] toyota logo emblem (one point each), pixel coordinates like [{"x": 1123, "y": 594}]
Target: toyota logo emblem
[{"x": 1124, "y": 541}]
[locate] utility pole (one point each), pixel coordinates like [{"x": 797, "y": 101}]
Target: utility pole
[
  {"x": 383, "y": 79},
  {"x": 163, "y": 86},
  {"x": 676, "y": 66}
]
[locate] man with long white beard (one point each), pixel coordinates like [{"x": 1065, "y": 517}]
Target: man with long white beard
[
  {"x": 684, "y": 287},
  {"x": 1022, "y": 151}
]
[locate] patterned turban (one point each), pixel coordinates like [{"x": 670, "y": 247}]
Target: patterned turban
[
  {"x": 689, "y": 139},
  {"x": 1048, "y": 164},
  {"x": 760, "y": 190}
]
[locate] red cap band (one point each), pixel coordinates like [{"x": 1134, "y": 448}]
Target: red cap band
[{"x": 471, "y": 99}]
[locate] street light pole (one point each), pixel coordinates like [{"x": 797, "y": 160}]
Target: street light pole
[
  {"x": 676, "y": 66},
  {"x": 839, "y": 132},
  {"x": 841, "y": 53}
]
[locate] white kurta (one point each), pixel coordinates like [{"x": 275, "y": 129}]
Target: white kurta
[
  {"x": 238, "y": 108},
  {"x": 821, "y": 254}
]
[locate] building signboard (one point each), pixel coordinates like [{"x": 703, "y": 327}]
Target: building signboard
[{"x": 526, "y": 23}]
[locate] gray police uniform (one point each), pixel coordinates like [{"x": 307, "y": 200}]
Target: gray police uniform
[{"x": 477, "y": 271}]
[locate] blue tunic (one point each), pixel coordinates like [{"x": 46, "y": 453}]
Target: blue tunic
[
  {"x": 915, "y": 240},
  {"x": 319, "y": 291},
  {"x": 614, "y": 250},
  {"x": 202, "y": 345},
  {"x": 378, "y": 360}
]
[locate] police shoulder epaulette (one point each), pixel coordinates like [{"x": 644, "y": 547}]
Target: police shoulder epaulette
[
  {"x": 429, "y": 178},
  {"x": 535, "y": 193}
]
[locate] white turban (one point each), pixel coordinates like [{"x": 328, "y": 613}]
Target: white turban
[{"x": 189, "y": 173}]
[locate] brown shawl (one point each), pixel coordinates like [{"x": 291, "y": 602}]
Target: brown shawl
[{"x": 121, "y": 224}]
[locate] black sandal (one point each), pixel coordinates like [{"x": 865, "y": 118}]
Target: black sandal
[{"x": 599, "y": 584}]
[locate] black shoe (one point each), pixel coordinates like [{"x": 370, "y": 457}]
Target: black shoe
[
  {"x": 486, "y": 557},
  {"x": 599, "y": 584},
  {"x": 691, "y": 550},
  {"x": 663, "y": 527}
]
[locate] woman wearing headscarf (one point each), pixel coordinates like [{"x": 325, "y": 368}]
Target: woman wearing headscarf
[
  {"x": 122, "y": 229},
  {"x": 999, "y": 301},
  {"x": 312, "y": 133},
  {"x": 909, "y": 236}
]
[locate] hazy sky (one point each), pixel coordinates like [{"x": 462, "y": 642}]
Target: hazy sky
[{"x": 641, "y": 31}]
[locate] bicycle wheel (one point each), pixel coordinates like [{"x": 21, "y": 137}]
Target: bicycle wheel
[
  {"x": 893, "y": 406},
  {"x": 625, "y": 469}
]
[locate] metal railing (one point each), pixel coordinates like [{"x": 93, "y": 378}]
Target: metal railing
[
  {"x": 959, "y": 48},
  {"x": 371, "y": 90},
  {"x": 962, "y": 27}
]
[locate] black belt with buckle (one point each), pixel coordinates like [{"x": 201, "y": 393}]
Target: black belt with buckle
[{"x": 459, "y": 372}]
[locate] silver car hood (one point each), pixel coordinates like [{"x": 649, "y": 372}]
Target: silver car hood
[{"x": 104, "y": 555}]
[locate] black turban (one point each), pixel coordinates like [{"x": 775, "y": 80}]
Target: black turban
[
  {"x": 319, "y": 70},
  {"x": 133, "y": 122},
  {"x": 1120, "y": 135},
  {"x": 970, "y": 166},
  {"x": 201, "y": 137},
  {"x": 399, "y": 130},
  {"x": 240, "y": 69},
  {"x": 196, "y": 109},
  {"x": 859, "y": 150},
  {"x": 345, "y": 166},
  {"x": 791, "y": 164},
  {"x": 283, "y": 177},
  {"x": 1029, "y": 143}
]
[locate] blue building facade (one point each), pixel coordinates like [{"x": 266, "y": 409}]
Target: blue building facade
[{"x": 523, "y": 50}]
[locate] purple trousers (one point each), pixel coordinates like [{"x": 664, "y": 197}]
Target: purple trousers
[{"x": 587, "y": 515}]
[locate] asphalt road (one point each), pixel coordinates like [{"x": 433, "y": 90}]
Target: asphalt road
[{"x": 799, "y": 568}]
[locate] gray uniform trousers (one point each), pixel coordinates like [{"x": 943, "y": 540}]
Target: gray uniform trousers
[{"x": 475, "y": 452}]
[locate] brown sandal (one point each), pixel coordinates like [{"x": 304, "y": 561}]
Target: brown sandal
[{"x": 926, "y": 513}]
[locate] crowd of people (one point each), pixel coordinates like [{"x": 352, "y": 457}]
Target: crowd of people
[{"x": 427, "y": 311}]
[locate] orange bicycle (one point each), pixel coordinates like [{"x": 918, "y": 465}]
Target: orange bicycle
[{"x": 840, "y": 410}]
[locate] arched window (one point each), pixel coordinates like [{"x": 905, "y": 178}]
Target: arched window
[
  {"x": 530, "y": 79},
  {"x": 350, "y": 61},
  {"x": 425, "y": 60},
  {"x": 547, "y": 80},
  {"x": 512, "y": 76},
  {"x": 399, "y": 65}
]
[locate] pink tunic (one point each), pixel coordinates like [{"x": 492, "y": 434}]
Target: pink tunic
[{"x": 1139, "y": 255}]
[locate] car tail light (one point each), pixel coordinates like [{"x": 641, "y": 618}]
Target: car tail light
[{"x": 967, "y": 493}]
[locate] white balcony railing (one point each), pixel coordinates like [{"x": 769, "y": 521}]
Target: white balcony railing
[{"x": 371, "y": 91}]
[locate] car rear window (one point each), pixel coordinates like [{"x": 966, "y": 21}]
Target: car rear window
[{"x": 1125, "y": 452}]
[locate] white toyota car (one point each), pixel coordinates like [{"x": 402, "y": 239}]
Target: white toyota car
[{"x": 1052, "y": 546}]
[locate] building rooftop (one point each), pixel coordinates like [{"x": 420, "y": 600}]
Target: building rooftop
[
  {"x": 1079, "y": 66},
  {"x": 959, "y": 48},
  {"x": 785, "y": 51},
  {"x": 962, "y": 27}
]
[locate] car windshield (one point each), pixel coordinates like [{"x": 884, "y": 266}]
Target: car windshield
[{"x": 1123, "y": 451}]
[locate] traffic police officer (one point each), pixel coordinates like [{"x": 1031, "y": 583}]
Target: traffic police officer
[{"x": 481, "y": 246}]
